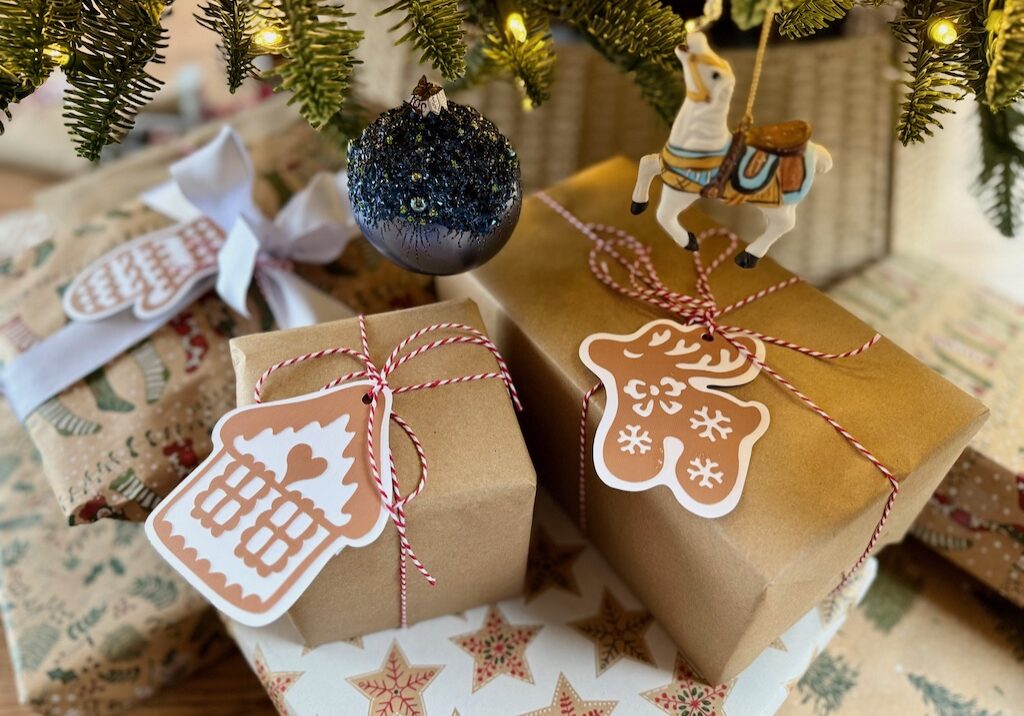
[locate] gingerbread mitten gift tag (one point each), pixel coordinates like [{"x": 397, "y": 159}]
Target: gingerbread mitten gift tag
[
  {"x": 150, "y": 274},
  {"x": 287, "y": 486},
  {"x": 667, "y": 421}
]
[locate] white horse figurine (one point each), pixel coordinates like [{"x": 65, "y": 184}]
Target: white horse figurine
[{"x": 773, "y": 168}]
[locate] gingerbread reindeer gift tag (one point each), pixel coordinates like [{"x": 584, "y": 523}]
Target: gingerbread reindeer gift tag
[
  {"x": 667, "y": 420},
  {"x": 287, "y": 486}
]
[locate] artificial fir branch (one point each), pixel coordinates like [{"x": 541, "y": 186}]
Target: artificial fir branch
[
  {"x": 319, "y": 54},
  {"x": 531, "y": 62},
  {"x": 1004, "y": 83},
  {"x": 938, "y": 74},
  {"x": 109, "y": 81},
  {"x": 1001, "y": 180},
  {"x": 799, "y": 18},
  {"x": 27, "y": 29},
  {"x": 234, "y": 21},
  {"x": 435, "y": 29}
]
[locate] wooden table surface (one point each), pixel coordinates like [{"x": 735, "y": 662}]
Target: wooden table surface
[{"x": 228, "y": 688}]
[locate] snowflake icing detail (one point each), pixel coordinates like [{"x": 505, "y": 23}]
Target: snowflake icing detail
[
  {"x": 705, "y": 470},
  {"x": 632, "y": 439},
  {"x": 711, "y": 427}
]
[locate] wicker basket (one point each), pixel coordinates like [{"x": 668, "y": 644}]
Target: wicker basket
[{"x": 596, "y": 112}]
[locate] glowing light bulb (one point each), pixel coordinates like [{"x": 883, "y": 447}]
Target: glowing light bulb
[
  {"x": 268, "y": 38},
  {"x": 58, "y": 54},
  {"x": 942, "y": 32},
  {"x": 516, "y": 26}
]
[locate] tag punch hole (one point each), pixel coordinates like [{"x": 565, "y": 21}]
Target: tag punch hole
[{"x": 367, "y": 399}]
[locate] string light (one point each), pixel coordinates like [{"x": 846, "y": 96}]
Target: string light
[
  {"x": 58, "y": 54},
  {"x": 942, "y": 32},
  {"x": 268, "y": 38},
  {"x": 516, "y": 26}
]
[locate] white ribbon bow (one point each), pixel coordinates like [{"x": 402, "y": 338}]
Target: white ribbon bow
[{"x": 217, "y": 181}]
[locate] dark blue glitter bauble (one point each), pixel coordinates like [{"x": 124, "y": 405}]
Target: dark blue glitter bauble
[{"x": 435, "y": 192}]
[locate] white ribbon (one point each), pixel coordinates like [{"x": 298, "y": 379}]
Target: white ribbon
[{"x": 215, "y": 181}]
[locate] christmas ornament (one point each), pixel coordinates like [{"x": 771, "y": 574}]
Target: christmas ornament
[
  {"x": 434, "y": 185},
  {"x": 771, "y": 167}
]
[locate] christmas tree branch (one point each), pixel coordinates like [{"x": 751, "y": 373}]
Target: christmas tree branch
[
  {"x": 319, "y": 54},
  {"x": 1004, "y": 83},
  {"x": 234, "y": 22},
  {"x": 108, "y": 78},
  {"x": 1000, "y": 183},
  {"x": 435, "y": 29}
]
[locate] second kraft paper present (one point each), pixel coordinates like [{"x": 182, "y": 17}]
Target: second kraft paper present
[
  {"x": 742, "y": 427},
  {"x": 373, "y": 476}
]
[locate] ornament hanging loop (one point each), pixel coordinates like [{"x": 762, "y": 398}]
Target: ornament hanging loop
[{"x": 755, "y": 80}]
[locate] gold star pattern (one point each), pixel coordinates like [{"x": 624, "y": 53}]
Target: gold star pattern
[
  {"x": 686, "y": 695},
  {"x": 616, "y": 633},
  {"x": 397, "y": 688},
  {"x": 550, "y": 565},
  {"x": 356, "y": 641},
  {"x": 567, "y": 702},
  {"x": 275, "y": 683},
  {"x": 498, "y": 648},
  {"x": 778, "y": 644}
]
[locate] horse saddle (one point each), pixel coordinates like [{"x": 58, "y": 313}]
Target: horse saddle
[{"x": 783, "y": 139}]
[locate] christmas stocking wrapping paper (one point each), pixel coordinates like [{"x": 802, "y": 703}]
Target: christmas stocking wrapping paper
[
  {"x": 975, "y": 338},
  {"x": 577, "y": 642},
  {"x": 117, "y": 441},
  {"x": 95, "y": 621}
]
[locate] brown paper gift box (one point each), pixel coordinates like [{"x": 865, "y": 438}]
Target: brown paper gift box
[
  {"x": 974, "y": 337},
  {"x": 114, "y": 443},
  {"x": 723, "y": 588},
  {"x": 471, "y": 524}
]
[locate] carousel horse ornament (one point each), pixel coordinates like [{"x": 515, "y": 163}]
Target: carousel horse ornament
[{"x": 771, "y": 167}]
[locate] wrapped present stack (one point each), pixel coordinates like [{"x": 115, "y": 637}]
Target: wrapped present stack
[
  {"x": 346, "y": 479},
  {"x": 576, "y": 642},
  {"x": 975, "y": 338}
]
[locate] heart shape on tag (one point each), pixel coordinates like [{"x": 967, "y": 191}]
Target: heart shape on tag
[{"x": 302, "y": 465}]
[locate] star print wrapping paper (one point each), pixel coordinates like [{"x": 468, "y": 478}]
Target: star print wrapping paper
[
  {"x": 576, "y": 643},
  {"x": 95, "y": 621},
  {"x": 116, "y": 442},
  {"x": 975, "y": 338},
  {"x": 721, "y": 587},
  {"x": 469, "y": 526}
]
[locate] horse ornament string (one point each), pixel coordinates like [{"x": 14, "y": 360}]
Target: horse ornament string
[{"x": 771, "y": 167}]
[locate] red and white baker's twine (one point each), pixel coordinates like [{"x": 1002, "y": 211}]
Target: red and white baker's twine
[
  {"x": 394, "y": 502},
  {"x": 702, "y": 309}
]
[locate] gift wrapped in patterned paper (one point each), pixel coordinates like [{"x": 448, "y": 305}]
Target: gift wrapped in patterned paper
[
  {"x": 577, "y": 642},
  {"x": 95, "y": 620},
  {"x": 115, "y": 442},
  {"x": 975, "y": 338}
]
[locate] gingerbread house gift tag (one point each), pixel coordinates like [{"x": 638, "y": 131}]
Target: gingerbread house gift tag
[
  {"x": 667, "y": 420},
  {"x": 287, "y": 486}
]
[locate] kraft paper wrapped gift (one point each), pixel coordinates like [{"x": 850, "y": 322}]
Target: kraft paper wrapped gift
[
  {"x": 577, "y": 642},
  {"x": 116, "y": 442},
  {"x": 95, "y": 621},
  {"x": 723, "y": 588},
  {"x": 470, "y": 525},
  {"x": 975, "y": 338}
]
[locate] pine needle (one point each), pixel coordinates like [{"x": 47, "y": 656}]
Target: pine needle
[{"x": 1005, "y": 79}]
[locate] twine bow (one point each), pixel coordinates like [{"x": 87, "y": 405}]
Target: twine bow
[
  {"x": 393, "y": 501},
  {"x": 613, "y": 246}
]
